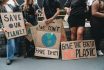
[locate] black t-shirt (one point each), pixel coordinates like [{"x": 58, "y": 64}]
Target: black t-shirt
[
  {"x": 50, "y": 7},
  {"x": 29, "y": 14},
  {"x": 32, "y": 9},
  {"x": 78, "y": 7}
]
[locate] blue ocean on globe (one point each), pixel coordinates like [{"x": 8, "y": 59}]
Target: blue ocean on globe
[{"x": 49, "y": 39}]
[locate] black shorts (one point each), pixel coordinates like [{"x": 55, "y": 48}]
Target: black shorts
[{"x": 76, "y": 21}]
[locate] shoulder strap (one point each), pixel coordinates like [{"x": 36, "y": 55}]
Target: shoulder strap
[{"x": 10, "y": 6}]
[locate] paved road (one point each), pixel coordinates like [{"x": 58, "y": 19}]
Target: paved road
[{"x": 52, "y": 64}]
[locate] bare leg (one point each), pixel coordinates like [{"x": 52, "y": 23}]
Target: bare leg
[
  {"x": 73, "y": 33},
  {"x": 80, "y": 32}
]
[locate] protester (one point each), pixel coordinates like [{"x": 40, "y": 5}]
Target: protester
[
  {"x": 88, "y": 10},
  {"x": 30, "y": 12},
  {"x": 97, "y": 23},
  {"x": 50, "y": 10},
  {"x": 4, "y": 7},
  {"x": 76, "y": 11}
]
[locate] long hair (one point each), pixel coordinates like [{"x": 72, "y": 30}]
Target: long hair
[{"x": 26, "y": 4}]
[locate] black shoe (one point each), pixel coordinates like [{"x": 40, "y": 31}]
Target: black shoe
[{"x": 8, "y": 62}]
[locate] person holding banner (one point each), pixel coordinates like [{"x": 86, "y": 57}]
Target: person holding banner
[
  {"x": 30, "y": 12},
  {"x": 50, "y": 10},
  {"x": 4, "y": 7},
  {"x": 97, "y": 24},
  {"x": 76, "y": 11}
]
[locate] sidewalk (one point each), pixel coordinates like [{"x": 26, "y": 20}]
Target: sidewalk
[{"x": 53, "y": 64}]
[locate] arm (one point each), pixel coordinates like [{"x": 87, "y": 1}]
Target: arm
[
  {"x": 37, "y": 9},
  {"x": 53, "y": 17},
  {"x": 67, "y": 10},
  {"x": 56, "y": 14},
  {"x": 58, "y": 7},
  {"x": 15, "y": 2},
  {"x": 95, "y": 10},
  {"x": 67, "y": 6},
  {"x": 43, "y": 13}
]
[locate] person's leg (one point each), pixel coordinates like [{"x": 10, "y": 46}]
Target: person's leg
[
  {"x": 18, "y": 43},
  {"x": 96, "y": 34},
  {"x": 73, "y": 33},
  {"x": 10, "y": 51},
  {"x": 80, "y": 33},
  {"x": 27, "y": 44}
]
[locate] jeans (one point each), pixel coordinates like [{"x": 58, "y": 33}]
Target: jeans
[
  {"x": 10, "y": 49},
  {"x": 18, "y": 42}
]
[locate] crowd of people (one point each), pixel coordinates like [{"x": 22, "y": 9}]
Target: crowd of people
[{"x": 76, "y": 9}]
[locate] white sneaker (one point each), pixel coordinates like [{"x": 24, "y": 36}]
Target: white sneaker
[{"x": 100, "y": 53}]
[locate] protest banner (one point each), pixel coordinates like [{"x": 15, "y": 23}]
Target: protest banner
[
  {"x": 47, "y": 52},
  {"x": 13, "y": 24},
  {"x": 63, "y": 34},
  {"x": 34, "y": 33},
  {"x": 54, "y": 27},
  {"x": 78, "y": 49},
  {"x": 29, "y": 35},
  {"x": 47, "y": 38}
]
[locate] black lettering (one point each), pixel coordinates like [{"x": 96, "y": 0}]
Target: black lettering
[
  {"x": 15, "y": 33},
  {"x": 6, "y": 18},
  {"x": 19, "y": 17},
  {"x": 41, "y": 27},
  {"x": 11, "y": 18},
  {"x": 40, "y": 51},
  {"x": 58, "y": 28},
  {"x": 19, "y": 24},
  {"x": 86, "y": 52},
  {"x": 51, "y": 28},
  {"x": 77, "y": 53},
  {"x": 77, "y": 44},
  {"x": 92, "y": 52},
  {"x": 63, "y": 46},
  {"x": 15, "y": 17},
  {"x": 52, "y": 52},
  {"x": 67, "y": 46}
]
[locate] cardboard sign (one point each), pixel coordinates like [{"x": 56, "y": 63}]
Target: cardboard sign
[
  {"x": 46, "y": 52},
  {"x": 47, "y": 37},
  {"x": 29, "y": 35},
  {"x": 78, "y": 49},
  {"x": 34, "y": 33},
  {"x": 63, "y": 34},
  {"x": 13, "y": 24},
  {"x": 55, "y": 26}
]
